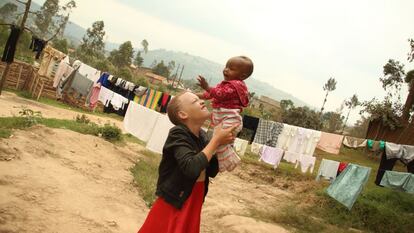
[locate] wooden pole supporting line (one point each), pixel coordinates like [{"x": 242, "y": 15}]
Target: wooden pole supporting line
[{"x": 6, "y": 70}]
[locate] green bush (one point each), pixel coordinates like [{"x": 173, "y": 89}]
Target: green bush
[
  {"x": 111, "y": 133},
  {"x": 82, "y": 119}
]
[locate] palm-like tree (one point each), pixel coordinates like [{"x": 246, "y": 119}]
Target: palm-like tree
[
  {"x": 144, "y": 44},
  {"x": 329, "y": 86},
  {"x": 351, "y": 104}
]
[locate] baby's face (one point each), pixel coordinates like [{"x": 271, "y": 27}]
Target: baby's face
[{"x": 236, "y": 69}]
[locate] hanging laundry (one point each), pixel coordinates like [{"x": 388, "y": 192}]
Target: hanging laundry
[
  {"x": 81, "y": 84},
  {"x": 398, "y": 180},
  {"x": 240, "y": 146},
  {"x": 154, "y": 103},
  {"x": 251, "y": 123},
  {"x": 65, "y": 83},
  {"x": 104, "y": 80},
  {"x": 118, "y": 101},
  {"x": 349, "y": 184},
  {"x": 285, "y": 137},
  {"x": 10, "y": 47},
  {"x": 291, "y": 157},
  {"x": 396, "y": 151},
  {"x": 145, "y": 100},
  {"x": 306, "y": 163},
  {"x": 330, "y": 142},
  {"x": 328, "y": 170},
  {"x": 312, "y": 142},
  {"x": 94, "y": 97},
  {"x": 352, "y": 142},
  {"x": 140, "y": 121},
  {"x": 376, "y": 147},
  {"x": 88, "y": 71},
  {"x": 388, "y": 165},
  {"x": 105, "y": 96},
  {"x": 271, "y": 155},
  {"x": 64, "y": 69},
  {"x": 37, "y": 45},
  {"x": 163, "y": 102},
  {"x": 341, "y": 168},
  {"x": 300, "y": 140},
  {"x": 159, "y": 134},
  {"x": 140, "y": 91},
  {"x": 255, "y": 148},
  {"x": 268, "y": 132}
]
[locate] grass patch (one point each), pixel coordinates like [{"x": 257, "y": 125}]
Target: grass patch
[
  {"x": 145, "y": 174},
  {"x": 132, "y": 139},
  {"x": 290, "y": 217},
  {"x": 376, "y": 210},
  {"x": 5, "y": 133}
]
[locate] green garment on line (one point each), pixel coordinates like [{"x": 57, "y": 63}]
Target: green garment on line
[
  {"x": 401, "y": 181},
  {"x": 349, "y": 184},
  {"x": 372, "y": 145}
]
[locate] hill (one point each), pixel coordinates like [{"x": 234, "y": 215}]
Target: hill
[{"x": 212, "y": 71}]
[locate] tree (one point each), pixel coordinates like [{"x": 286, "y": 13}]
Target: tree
[
  {"x": 286, "y": 105},
  {"x": 50, "y": 17},
  {"x": 44, "y": 17},
  {"x": 351, "y": 104},
  {"x": 329, "y": 86},
  {"x": 138, "y": 59},
  {"x": 92, "y": 43},
  {"x": 124, "y": 73},
  {"x": 171, "y": 66},
  {"x": 7, "y": 11},
  {"x": 61, "y": 45},
  {"x": 393, "y": 76},
  {"x": 360, "y": 128},
  {"x": 122, "y": 57},
  {"x": 302, "y": 117},
  {"x": 332, "y": 121},
  {"x": 144, "y": 44},
  {"x": 408, "y": 106},
  {"x": 161, "y": 69}
]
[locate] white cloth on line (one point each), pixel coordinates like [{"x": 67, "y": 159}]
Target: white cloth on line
[
  {"x": 118, "y": 101},
  {"x": 328, "y": 169},
  {"x": 240, "y": 146},
  {"x": 105, "y": 96},
  {"x": 89, "y": 72},
  {"x": 271, "y": 155},
  {"x": 159, "y": 134},
  {"x": 306, "y": 162},
  {"x": 313, "y": 141},
  {"x": 255, "y": 148},
  {"x": 291, "y": 157},
  {"x": 140, "y": 121}
]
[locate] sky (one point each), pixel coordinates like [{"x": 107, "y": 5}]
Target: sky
[{"x": 296, "y": 45}]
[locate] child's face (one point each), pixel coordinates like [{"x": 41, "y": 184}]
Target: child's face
[
  {"x": 236, "y": 69},
  {"x": 193, "y": 109}
]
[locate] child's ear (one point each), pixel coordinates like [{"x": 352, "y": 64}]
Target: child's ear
[{"x": 182, "y": 115}]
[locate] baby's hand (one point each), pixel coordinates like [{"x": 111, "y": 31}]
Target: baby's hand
[{"x": 203, "y": 83}]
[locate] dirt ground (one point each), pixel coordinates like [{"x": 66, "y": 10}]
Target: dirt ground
[{"x": 56, "y": 180}]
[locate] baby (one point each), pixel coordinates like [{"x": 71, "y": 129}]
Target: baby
[{"x": 228, "y": 100}]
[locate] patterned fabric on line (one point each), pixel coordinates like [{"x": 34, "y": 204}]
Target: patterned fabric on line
[
  {"x": 268, "y": 132},
  {"x": 226, "y": 155}
]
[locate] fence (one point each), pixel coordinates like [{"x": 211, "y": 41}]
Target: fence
[{"x": 377, "y": 131}]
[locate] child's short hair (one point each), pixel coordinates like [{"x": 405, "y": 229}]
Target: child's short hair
[
  {"x": 174, "y": 107},
  {"x": 250, "y": 71}
]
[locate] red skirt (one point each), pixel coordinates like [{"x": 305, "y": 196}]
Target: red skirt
[{"x": 165, "y": 218}]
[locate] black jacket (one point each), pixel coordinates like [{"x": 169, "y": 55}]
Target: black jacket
[{"x": 181, "y": 164}]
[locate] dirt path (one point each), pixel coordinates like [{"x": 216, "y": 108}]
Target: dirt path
[
  {"x": 11, "y": 104},
  {"x": 55, "y": 180}
]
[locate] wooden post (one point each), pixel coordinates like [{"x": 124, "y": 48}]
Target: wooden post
[
  {"x": 20, "y": 75},
  {"x": 41, "y": 90},
  {"x": 6, "y": 70}
]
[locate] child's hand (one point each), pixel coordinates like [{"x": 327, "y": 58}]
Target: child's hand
[
  {"x": 203, "y": 83},
  {"x": 224, "y": 136}
]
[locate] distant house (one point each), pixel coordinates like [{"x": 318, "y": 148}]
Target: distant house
[
  {"x": 154, "y": 78},
  {"x": 267, "y": 103}
]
